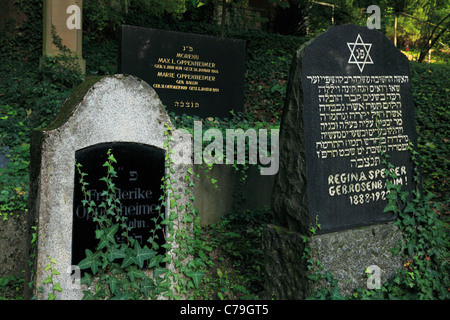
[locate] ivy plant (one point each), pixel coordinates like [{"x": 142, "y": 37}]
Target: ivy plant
[{"x": 117, "y": 269}]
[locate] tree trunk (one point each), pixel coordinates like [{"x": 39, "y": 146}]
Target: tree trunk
[
  {"x": 430, "y": 41},
  {"x": 395, "y": 29}
]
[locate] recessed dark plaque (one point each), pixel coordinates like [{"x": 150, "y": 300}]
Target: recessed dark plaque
[
  {"x": 192, "y": 74},
  {"x": 140, "y": 169}
]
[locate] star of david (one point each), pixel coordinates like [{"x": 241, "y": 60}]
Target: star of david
[{"x": 359, "y": 53}]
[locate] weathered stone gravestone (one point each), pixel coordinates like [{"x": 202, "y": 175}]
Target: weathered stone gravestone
[
  {"x": 117, "y": 112},
  {"x": 349, "y": 97},
  {"x": 192, "y": 74},
  {"x": 65, "y": 17}
]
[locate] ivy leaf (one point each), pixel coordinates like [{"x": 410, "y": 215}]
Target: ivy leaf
[
  {"x": 404, "y": 195},
  {"x": 91, "y": 261},
  {"x": 115, "y": 253},
  {"x": 110, "y": 232},
  {"x": 129, "y": 258},
  {"x": 111, "y": 157},
  {"x": 86, "y": 279},
  {"x": 313, "y": 277},
  {"x": 114, "y": 285},
  {"x": 408, "y": 220},
  {"x": 57, "y": 287},
  {"x": 335, "y": 295},
  {"x": 48, "y": 280},
  {"x": 147, "y": 286},
  {"x": 157, "y": 272},
  {"x": 99, "y": 233},
  {"x": 135, "y": 273},
  {"x": 196, "y": 277},
  {"x": 410, "y": 247},
  {"x": 409, "y": 207},
  {"x": 390, "y": 207},
  {"x": 395, "y": 250},
  {"x": 154, "y": 261},
  {"x": 102, "y": 243},
  {"x": 143, "y": 254}
]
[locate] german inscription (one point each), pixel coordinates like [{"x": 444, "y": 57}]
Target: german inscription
[
  {"x": 188, "y": 73},
  {"x": 140, "y": 169},
  {"x": 192, "y": 74}
]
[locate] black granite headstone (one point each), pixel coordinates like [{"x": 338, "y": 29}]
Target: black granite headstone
[
  {"x": 340, "y": 83},
  {"x": 192, "y": 74},
  {"x": 140, "y": 169}
]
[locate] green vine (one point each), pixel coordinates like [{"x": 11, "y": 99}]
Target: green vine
[
  {"x": 131, "y": 271},
  {"x": 115, "y": 268},
  {"x": 328, "y": 290},
  {"x": 424, "y": 249},
  {"x": 426, "y": 239},
  {"x": 56, "y": 287}
]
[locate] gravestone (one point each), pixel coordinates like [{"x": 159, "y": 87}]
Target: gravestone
[
  {"x": 116, "y": 112},
  {"x": 349, "y": 97},
  {"x": 331, "y": 165},
  {"x": 192, "y": 74},
  {"x": 66, "y": 17}
]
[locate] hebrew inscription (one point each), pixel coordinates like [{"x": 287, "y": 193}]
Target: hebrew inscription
[
  {"x": 360, "y": 116},
  {"x": 357, "y": 104}
]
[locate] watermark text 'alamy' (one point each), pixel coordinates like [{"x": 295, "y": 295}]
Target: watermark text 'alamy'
[{"x": 208, "y": 147}]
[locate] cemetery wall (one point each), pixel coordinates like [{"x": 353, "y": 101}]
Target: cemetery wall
[{"x": 254, "y": 193}]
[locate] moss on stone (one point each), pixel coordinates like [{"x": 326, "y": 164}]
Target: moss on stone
[{"x": 71, "y": 103}]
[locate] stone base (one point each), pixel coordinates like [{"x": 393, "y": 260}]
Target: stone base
[{"x": 345, "y": 254}]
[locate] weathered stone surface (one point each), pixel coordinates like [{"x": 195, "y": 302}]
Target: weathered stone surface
[
  {"x": 232, "y": 193},
  {"x": 290, "y": 196},
  {"x": 56, "y": 15},
  {"x": 285, "y": 270},
  {"x": 345, "y": 254},
  {"x": 13, "y": 245}
]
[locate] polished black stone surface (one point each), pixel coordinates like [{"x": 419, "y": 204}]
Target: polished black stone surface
[
  {"x": 192, "y": 74},
  {"x": 140, "y": 169}
]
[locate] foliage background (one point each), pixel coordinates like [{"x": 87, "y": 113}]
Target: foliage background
[{"x": 30, "y": 96}]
